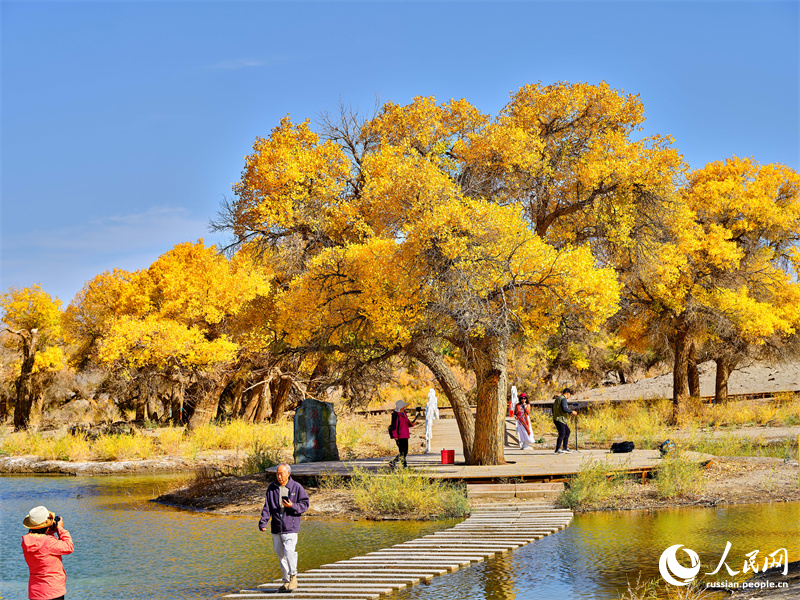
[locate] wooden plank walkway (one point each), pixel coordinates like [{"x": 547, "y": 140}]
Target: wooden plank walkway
[
  {"x": 492, "y": 529},
  {"x": 533, "y": 464}
]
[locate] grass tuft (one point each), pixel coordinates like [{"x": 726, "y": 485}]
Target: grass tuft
[
  {"x": 595, "y": 482},
  {"x": 677, "y": 475},
  {"x": 401, "y": 492}
]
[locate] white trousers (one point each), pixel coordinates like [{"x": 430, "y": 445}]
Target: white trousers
[{"x": 284, "y": 544}]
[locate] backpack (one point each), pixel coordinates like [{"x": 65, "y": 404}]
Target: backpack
[
  {"x": 622, "y": 447},
  {"x": 393, "y": 426},
  {"x": 666, "y": 447}
]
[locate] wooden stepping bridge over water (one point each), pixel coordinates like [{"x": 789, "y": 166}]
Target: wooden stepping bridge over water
[{"x": 491, "y": 530}]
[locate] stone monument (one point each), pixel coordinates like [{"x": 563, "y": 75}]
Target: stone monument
[{"x": 315, "y": 432}]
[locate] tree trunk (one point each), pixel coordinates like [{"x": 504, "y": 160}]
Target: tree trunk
[
  {"x": 490, "y": 366},
  {"x": 692, "y": 373},
  {"x": 176, "y": 403},
  {"x": 452, "y": 390},
  {"x": 680, "y": 379},
  {"x": 205, "y": 408},
  {"x": 237, "y": 397},
  {"x": 25, "y": 392},
  {"x": 279, "y": 399},
  {"x": 721, "y": 382},
  {"x": 321, "y": 370},
  {"x": 263, "y": 405}
]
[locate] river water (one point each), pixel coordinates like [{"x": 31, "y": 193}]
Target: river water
[{"x": 128, "y": 548}]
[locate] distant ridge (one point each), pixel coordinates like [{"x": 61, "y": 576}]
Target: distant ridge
[{"x": 755, "y": 378}]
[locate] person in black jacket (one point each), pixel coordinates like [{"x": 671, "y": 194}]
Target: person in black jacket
[{"x": 560, "y": 412}]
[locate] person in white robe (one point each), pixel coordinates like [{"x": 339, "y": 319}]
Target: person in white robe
[
  {"x": 514, "y": 401},
  {"x": 431, "y": 413}
]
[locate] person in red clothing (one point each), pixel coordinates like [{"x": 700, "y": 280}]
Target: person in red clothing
[
  {"x": 47, "y": 541},
  {"x": 399, "y": 430}
]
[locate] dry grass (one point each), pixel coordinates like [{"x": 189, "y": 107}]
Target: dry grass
[
  {"x": 677, "y": 475},
  {"x": 641, "y": 422},
  {"x": 596, "y": 482},
  {"x": 657, "y": 589},
  {"x": 648, "y": 422},
  {"x": 259, "y": 444},
  {"x": 401, "y": 492}
]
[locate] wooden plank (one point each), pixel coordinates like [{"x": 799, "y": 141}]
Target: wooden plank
[
  {"x": 365, "y": 574},
  {"x": 376, "y": 562},
  {"x": 317, "y": 593},
  {"x": 483, "y": 535},
  {"x": 320, "y": 587},
  {"x": 413, "y": 571},
  {"x": 403, "y": 581}
]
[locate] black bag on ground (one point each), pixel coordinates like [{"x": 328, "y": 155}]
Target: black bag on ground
[{"x": 622, "y": 447}]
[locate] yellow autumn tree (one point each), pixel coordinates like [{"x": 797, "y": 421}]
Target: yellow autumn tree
[
  {"x": 33, "y": 320},
  {"x": 725, "y": 271},
  {"x": 170, "y": 321},
  {"x": 434, "y": 225}
]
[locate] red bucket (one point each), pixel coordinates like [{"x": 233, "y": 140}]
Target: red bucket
[{"x": 448, "y": 457}]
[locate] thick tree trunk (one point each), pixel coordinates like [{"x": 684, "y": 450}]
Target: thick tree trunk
[
  {"x": 237, "y": 397},
  {"x": 263, "y": 405},
  {"x": 279, "y": 398},
  {"x": 316, "y": 382},
  {"x": 25, "y": 393},
  {"x": 680, "y": 379},
  {"x": 205, "y": 408},
  {"x": 692, "y": 373},
  {"x": 721, "y": 382},
  {"x": 490, "y": 370},
  {"x": 452, "y": 390}
]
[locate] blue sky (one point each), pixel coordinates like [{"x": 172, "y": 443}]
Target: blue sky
[{"x": 124, "y": 124}]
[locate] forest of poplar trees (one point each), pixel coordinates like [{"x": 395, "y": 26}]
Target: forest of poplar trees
[{"x": 434, "y": 236}]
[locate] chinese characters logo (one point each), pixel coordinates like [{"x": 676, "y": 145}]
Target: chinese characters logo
[{"x": 675, "y": 573}]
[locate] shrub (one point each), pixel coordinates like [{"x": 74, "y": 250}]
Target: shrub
[
  {"x": 124, "y": 447},
  {"x": 261, "y": 457},
  {"x": 677, "y": 475},
  {"x": 173, "y": 441},
  {"x": 404, "y": 492},
  {"x": 595, "y": 482}
]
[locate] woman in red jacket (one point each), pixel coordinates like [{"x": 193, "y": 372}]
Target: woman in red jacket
[
  {"x": 399, "y": 430},
  {"x": 47, "y": 541}
]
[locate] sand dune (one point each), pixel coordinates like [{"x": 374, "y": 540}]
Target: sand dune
[{"x": 756, "y": 378}]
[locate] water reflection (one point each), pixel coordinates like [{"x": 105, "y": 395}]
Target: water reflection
[
  {"x": 599, "y": 554},
  {"x": 128, "y": 548}
]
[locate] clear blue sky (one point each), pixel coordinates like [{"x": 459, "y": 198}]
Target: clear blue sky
[{"x": 124, "y": 124}]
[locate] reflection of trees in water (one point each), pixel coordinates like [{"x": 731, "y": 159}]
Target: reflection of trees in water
[{"x": 498, "y": 578}]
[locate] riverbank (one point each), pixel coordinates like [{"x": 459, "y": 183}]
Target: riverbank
[
  {"x": 727, "y": 480},
  {"x": 21, "y": 465}
]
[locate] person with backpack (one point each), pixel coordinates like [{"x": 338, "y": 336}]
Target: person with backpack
[
  {"x": 400, "y": 432},
  {"x": 560, "y": 413}
]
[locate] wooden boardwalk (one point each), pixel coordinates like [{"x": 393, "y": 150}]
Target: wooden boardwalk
[
  {"x": 492, "y": 529},
  {"x": 533, "y": 464}
]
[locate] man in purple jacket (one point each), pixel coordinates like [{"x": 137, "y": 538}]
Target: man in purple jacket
[{"x": 286, "y": 501}]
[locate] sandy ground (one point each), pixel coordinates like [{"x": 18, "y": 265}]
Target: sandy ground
[{"x": 754, "y": 378}]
